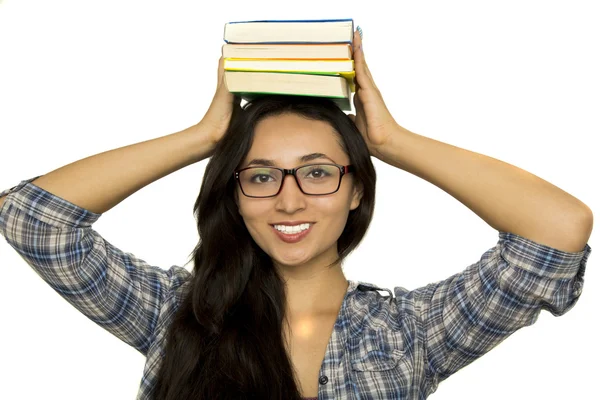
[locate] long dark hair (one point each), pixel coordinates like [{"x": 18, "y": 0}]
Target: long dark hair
[{"x": 225, "y": 341}]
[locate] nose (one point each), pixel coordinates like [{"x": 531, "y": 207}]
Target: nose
[{"x": 290, "y": 198}]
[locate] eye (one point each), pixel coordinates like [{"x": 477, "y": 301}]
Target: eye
[
  {"x": 262, "y": 178},
  {"x": 317, "y": 173}
]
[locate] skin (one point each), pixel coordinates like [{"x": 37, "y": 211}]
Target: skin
[{"x": 312, "y": 288}]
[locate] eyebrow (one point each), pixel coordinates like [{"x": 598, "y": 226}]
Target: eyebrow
[{"x": 304, "y": 158}]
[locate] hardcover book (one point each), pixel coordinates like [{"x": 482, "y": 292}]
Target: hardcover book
[
  {"x": 327, "y": 66},
  {"x": 290, "y": 31},
  {"x": 320, "y": 51},
  {"x": 252, "y": 84}
]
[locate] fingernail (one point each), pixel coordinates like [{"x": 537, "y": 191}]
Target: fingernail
[{"x": 360, "y": 32}]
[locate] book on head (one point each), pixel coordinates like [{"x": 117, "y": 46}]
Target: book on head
[
  {"x": 249, "y": 85},
  {"x": 326, "y": 66},
  {"x": 320, "y": 51},
  {"x": 290, "y": 31}
]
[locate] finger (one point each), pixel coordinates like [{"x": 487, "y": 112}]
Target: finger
[
  {"x": 356, "y": 84},
  {"x": 222, "y": 91},
  {"x": 360, "y": 117},
  {"x": 358, "y": 104},
  {"x": 221, "y": 71},
  {"x": 360, "y": 64},
  {"x": 355, "y": 101},
  {"x": 360, "y": 111},
  {"x": 352, "y": 117},
  {"x": 361, "y": 51}
]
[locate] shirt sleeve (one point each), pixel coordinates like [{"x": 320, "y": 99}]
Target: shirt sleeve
[
  {"x": 466, "y": 315},
  {"x": 116, "y": 290}
]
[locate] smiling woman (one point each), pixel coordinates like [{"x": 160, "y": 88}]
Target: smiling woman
[
  {"x": 273, "y": 283},
  {"x": 265, "y": 303},
  {"x": 290, "y": 140},
  {"x": 267, "y": 311}
]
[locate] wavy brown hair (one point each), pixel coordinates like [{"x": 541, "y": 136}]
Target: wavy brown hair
[{"x": 225, "y": 341}]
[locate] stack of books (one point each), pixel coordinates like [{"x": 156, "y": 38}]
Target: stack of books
[{"x": 290, "y": 57}]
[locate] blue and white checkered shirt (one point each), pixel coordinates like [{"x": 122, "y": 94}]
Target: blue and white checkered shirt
[{"x": 399, "y": 346}]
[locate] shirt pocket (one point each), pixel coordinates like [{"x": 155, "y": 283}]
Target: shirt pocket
[
  {"x": 377, "y": 361},
  {"x": 380, "y": 365}
]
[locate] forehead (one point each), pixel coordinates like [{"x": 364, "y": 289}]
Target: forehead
[{"x": 287, "y": 137}]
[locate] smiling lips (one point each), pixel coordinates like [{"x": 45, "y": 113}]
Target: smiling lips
[{"x": 292, "y": 237}]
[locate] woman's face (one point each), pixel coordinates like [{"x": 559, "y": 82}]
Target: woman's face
[{"x": 284, "y": 139}]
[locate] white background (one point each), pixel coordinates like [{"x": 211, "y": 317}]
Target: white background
[{"x": 517, "y": 81}]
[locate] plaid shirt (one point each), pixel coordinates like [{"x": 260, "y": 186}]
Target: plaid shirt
[{"x": 399, "y": 346}]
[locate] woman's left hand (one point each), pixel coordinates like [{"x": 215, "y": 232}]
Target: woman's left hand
[{"x": 372, "y": 118}]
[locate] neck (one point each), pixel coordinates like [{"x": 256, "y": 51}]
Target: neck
[
  {"x": 313, "y": 302},
  {"x": 319, "y": 292}
]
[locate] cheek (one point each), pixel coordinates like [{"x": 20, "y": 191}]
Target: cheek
[
  {"x": 334, "y": 214},
  {"x": 253, "y": 212},
  {"x": 255, "y": 216}
]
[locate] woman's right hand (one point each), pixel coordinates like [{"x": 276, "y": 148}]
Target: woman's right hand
[{"x": 218, "y": 116}]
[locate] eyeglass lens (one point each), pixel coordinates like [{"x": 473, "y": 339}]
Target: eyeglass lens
[{"x": 313, "y": 179}]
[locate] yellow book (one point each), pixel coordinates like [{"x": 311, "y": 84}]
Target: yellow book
[{"x": 344, "y": 68}]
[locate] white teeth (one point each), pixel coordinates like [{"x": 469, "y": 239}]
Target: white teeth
[{"x": 292, "y": 229}]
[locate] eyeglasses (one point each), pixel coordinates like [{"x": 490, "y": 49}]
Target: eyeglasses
[{"x": 312, "y": 179}]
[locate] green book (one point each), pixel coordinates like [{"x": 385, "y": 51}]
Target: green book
[{"x": 249, "y": 85}]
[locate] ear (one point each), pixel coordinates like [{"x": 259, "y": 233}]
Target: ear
[{"x": 356, "y": 196}]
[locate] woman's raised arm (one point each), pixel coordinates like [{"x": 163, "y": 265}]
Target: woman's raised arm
[
  {"x": 507, "y": 198},
  {"x": 99, "y": 182}
]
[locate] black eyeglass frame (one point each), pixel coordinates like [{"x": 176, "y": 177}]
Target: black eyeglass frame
[{"x": 344, "y": 169}]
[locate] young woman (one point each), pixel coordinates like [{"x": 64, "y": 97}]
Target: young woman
[{"x": 267, "y": 312}]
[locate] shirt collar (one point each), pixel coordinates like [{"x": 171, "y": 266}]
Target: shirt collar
[{"x": 366, "y": 286}]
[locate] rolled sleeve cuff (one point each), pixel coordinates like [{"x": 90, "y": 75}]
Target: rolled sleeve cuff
[
  {"x": 45, "y": 206},
  {"x": 553, "y": 276}
]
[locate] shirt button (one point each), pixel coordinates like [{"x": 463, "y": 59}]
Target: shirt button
[{"x": 323, "y": 380}]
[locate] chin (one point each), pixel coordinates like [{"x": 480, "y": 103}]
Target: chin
[
  {"x": 291, "y": 258},
  {"x": 291, "y": 261}
]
